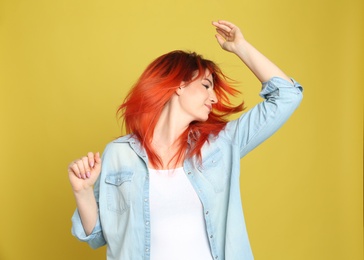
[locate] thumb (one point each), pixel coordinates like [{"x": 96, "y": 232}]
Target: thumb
[
  {"x": 96, "y": 169},
  {"x": 220, "y": 39},
  {"x": 97, "y": 159}
]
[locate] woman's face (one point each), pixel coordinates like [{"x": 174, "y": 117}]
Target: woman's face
[{"x": 197, "y": 98}]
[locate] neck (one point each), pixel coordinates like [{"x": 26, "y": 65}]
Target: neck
[
  {"x": 170, "y": 126},
  {"x": 168, "y": 129}
]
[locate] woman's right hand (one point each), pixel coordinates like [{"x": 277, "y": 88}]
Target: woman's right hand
[{"x": 84, "y": 172}]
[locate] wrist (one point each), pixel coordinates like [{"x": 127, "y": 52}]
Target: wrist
[
  {"x": 83, "y": 192},
  {"x": 242, "y": 49}
]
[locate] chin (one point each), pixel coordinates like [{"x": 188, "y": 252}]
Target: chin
[{"x": 202, "y": 119}]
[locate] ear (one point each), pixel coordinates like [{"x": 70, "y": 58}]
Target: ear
[{"x": 179, "y": 90}]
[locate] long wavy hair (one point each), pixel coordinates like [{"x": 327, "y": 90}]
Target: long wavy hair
[{"x": 144, "y": 103}]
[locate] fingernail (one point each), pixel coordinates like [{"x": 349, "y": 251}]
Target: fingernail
[
  {"x": 92, "y": 164},
  {"x": 88, "y": 174}
]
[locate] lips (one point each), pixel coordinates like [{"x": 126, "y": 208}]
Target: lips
[{"x": 209, "y": 107}]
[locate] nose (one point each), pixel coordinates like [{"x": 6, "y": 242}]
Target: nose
[{"x": 213, "y": 97}]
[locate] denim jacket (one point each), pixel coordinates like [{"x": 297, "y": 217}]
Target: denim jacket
[{"x": 122, "y": 190}]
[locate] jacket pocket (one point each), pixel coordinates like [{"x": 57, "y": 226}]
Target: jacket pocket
[
  {"x": 118, "y": 191},
  {"x": 213, "y": 170}
]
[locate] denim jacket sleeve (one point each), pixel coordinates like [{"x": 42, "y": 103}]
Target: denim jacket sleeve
[
  {"x": 96, "y": 238},
  {"x": 281, "y": 98}
]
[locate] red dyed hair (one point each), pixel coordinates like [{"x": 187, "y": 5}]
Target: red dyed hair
[{"x": 155, "y": 87}]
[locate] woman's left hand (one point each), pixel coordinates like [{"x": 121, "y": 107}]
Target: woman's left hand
[{"x": 229, "y": 36}]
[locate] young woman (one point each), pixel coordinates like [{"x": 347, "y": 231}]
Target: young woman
[{"x": 170, "y": 188}]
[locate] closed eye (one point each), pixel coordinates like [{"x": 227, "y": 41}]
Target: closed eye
[{"x": 209, "y": 84}]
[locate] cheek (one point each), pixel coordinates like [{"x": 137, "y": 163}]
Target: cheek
[
  {"x": 196, "y": 95},
  {"x": 201, "y": 94}
]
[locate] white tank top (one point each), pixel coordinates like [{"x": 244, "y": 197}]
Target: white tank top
[{"x": 178, "y": 229}]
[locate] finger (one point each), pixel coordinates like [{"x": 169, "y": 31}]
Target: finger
[
  {"x": 97, "y": 167},
  {"x": 81, "y": 168},
  {"x": 226, "y": 24},
  {"x": 97, "y": 158},
  {"x": 85, "y": 161},
  {"x": 220, "y": 39},
  {"x": 222, "y": 33},
  {"x": 73, "y": 168},
  {"x": 91, "y": 159},
  {"x": 222, "y": 27}
]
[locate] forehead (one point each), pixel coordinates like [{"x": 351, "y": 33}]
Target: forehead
[{"x": 208, "y": 76}]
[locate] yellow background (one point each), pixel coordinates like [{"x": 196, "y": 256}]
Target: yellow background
[{"x": 66, "y": 65}]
